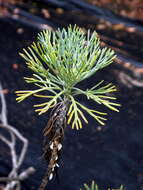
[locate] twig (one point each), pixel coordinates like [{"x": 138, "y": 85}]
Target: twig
[
  {"x": 3, "y": 114},
  {"x": 21, "y": 177},
  {"x": 13, "y": 179}
]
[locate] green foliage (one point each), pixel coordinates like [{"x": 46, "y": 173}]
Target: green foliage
[
  {"x": 95, "y": 187},
  {"x": 61, "y": 59}
]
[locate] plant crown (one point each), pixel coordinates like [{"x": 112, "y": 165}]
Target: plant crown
[{"x": 60, "y": 60}]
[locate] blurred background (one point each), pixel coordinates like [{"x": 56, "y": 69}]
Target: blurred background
[{"x": 110, "y": 155}]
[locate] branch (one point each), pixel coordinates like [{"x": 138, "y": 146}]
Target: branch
[
  {"x": 21, "y": 177},
  {"x": 13, "y": 180},
  {"x": 3, "y": 114}
]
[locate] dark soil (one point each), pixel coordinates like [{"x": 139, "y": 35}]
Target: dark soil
[{"x": 111, "y": 156}]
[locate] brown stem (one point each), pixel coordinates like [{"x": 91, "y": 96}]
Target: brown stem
[{"x": 54, "y": 132}]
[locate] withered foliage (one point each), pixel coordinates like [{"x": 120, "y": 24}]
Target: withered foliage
[
  {"x": 54, "y": 135},
  {"x": 129, "y": 8}
]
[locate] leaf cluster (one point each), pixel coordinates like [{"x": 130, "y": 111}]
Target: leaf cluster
[
  {"x": 94, "y": 186},
  {"x": 61, "y": 59}
]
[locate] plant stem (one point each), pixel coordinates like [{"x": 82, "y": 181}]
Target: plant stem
[{"x": 55, "y": 134}]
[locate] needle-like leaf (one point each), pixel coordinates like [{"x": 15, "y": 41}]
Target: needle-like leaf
[{"x": 61, "y": 59}]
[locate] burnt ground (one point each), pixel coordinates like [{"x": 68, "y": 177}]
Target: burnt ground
[{"x": 111, "y": 156}]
